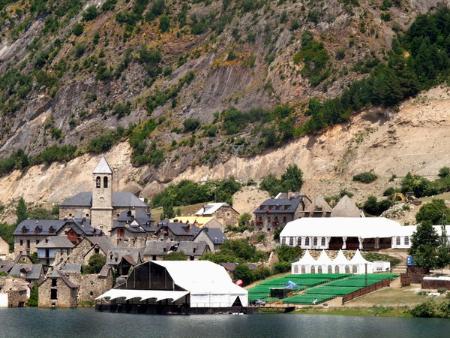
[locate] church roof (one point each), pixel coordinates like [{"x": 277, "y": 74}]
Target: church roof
[
  {"x": 102, "y": 167},
  {"x": 120, "y": 199}
]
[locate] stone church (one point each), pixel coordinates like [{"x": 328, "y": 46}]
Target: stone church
[{"x": 116, "y": 213}]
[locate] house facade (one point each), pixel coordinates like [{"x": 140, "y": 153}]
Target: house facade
[
  {"x": 4, "y": 249},
  {"x": 222, "y": 212},
  {"x": 58, "y": 291},
  {"x": 275, "y": 213}
]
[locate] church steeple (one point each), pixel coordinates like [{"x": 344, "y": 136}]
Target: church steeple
[{"x": 101, "y": 211}]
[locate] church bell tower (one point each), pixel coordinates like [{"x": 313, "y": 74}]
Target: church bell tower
[{"x": 101, "y": 210}]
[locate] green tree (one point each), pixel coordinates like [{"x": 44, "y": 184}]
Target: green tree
[
  {"x": 33, "y": 301},
  {"x": 95, "y": 264},
  {"x": 21, "y": 211},
  {"x": 243, "y": 273},
  {"x": 168, "y": 211},
  {"x": 292, "y": 179},
  {"x": 244, "y": 219},
  {"x": 444, "y": 172},
  {"x": 288, "y": 254},
  {"x": 424, "y": 245},
  {"x": 164, "y": 23},
  {"x": 435, "y": 212}
]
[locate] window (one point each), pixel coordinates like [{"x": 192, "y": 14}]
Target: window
[
  {"x": 37, "y": 241},
  {"x": 283, "y": 240},
  {"x": 105, "y": 182},
  {"x": 322, "y": 242},
  {"x": 21, "y": 242},
  {"x": 315, "y": 241},
  {"x": 54, "y": 282},
  {"x": 291, "y": 241},
  {"x": 284, "y": 219},
  {"x": 54, "y": 294},
  {"x": 406, "y": 240},
  {"x": 98, "y": 182},
  {"x": 306, "y": 241},
  {"x": 397, "y": 241}
]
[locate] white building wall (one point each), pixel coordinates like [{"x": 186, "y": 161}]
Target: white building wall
[
  {"x": 217, "y": 300},
  {"x": 3, "y": 300}
]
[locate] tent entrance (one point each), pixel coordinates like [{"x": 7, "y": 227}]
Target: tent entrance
[{"x": 237, "y": 302}]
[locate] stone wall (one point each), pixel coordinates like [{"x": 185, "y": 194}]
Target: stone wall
[
  {"x": 92, "y": 286},
  {"x": 22, "y": 249},
  {"x": 66, "y": 296},
  {"x": 227, "y": 216},
  {"x": 74, "y": 212},
  {"x": 4, "y": 248}
]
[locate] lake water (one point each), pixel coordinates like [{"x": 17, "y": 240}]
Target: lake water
[{"x": 88, "y": 323}]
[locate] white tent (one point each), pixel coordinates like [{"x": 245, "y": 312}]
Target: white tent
[
  {"x": 304, "y": 264},
  {"x": 323, "y": 263},
  {"x": 340, "y": 264}
]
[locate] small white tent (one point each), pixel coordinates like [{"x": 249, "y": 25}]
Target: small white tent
[
  {"x": 359, "y": 264},
  {"x": 304, "y": 264},
  {"x": 323, "y": 263},
  {"x": 341, "y": 263}
]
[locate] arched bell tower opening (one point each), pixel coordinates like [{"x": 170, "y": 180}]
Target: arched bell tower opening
[{"x": 101, "y": 211}]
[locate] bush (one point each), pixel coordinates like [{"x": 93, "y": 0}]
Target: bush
[
  {"x": 288, "y": 254},
  {"x": 95, "y": 264},
  {"x": 435, "y": 212},
  {"x": 291, "y": 180},
  {"x": 244, "y": 273},
  {"x": 315, "y": 59},
  {"x": 374, "y": 256},
  {"x": 56, "y": 154},
  {"x": 191, "y": 124},
  {"x": 33, "y": 301},
  {"x": 281, "y": 267},
  {"x": 122, "y": 109},
  {"x": 374, "y": 207},
  {"x": 365, "y": 177},
  {"x": 424, "y": 310},
  {"x": 104, "y": 142},
  {"x": 90, "y": 13},
  {"x": 78, "y": 29},
  {"x": 164, "y": 23},
  {"x": 444, "y": 172}
]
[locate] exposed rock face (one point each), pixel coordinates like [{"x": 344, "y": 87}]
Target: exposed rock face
[{"x": 416, "y": 139}]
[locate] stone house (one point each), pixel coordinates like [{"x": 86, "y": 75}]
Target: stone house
[
  {"x": 175, "y": 231},
  {"x": 132, "y": 228},
  {"x": 214, "y": 238},
  {"x": 14, "y": 292},
  {"x": 193, "y": 250},
  {"x": 122, "y": 259},
  {"x": 89, "y": 246},
  {"x": 319, "y": 208},
  {"x": 90, "y": 286},
  {"x": 32, "y": 273},
  {"x": 274, "y": 213},
  {"x": 222, "y": 212},
  {"x": 29, "y": 233},
  {"x": 57, "y": 290},
  {"x": 4, "y": 249},
  {"x": 53, "y": 247}
]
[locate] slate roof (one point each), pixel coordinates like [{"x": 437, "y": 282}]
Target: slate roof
[
  {"x": 102, "y": 167},
  {"x": 104, "y": 271},
  {"x": 44, "y": 227},
  {"x": 279, "y": 205},
  {"x": 192, "y": 248},
  {"x": 210, "y": 209},
  {"x": 55, "y": 242},
  {"x": 6, "y": 266},
  {"x": 60, "y": 274},
  {"x": 28, "y": 271},
  {"x": 131, "y": 255},
  {"x": 158, "y": 248},
  {"x": 215, "y": 235},
  {"x": 103, "y": 242},
  {"x": 41, "y": 227},
  {"x": 140, "y": 223},
  {"x": 180, "y": 229},
  {"x": 71, "y": 268},
  {"x": 120, "y": 199}
]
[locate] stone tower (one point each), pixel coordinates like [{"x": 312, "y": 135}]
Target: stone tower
[{"x": 101, "y": 211}]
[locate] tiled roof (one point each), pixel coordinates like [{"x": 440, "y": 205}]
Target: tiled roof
[
  {"x": 115, "y": 255},
  {"x": 6, "y": 266},
  {"x": 29, "y": 271},
  {"x": 71, "y": 268},
  {"x": 140, "y": 223},
  {"x": 181, "y": 229},
  {"x": 120, "y": 199},
  {"x": 103, "y": 242},
  {"x": 61, "y": 274}
]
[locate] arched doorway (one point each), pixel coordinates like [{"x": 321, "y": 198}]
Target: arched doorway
[
  {"x": 330, "y": 269},
  {"x": 347, "y": 269},
  {"x": 355, "y": 269},
  {"x": 336, "y": 269},
  {"x": 319, "y": 269},
  {"x": 313, "y": 269},
  {"x": 303, "y": 269},
  {"x": 295, "y": 268},
  {"x": 335, "y": 243}
]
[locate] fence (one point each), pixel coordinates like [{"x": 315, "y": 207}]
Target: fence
[{"x": 367, "y": 289}]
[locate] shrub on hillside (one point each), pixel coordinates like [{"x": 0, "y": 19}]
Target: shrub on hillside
[{"x": 365, "y": 177}]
